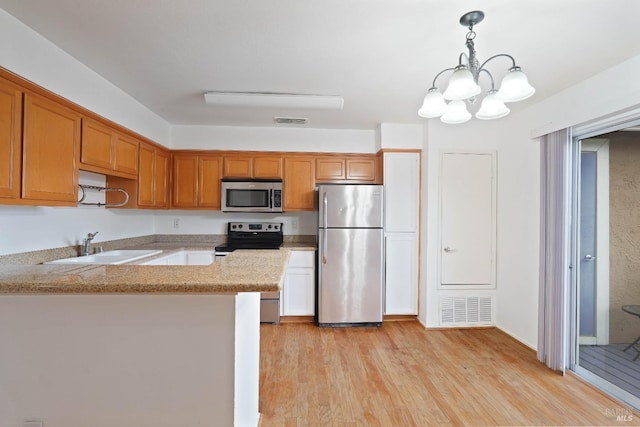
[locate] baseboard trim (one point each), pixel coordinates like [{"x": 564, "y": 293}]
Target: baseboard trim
[
  {"x": 399, "y": 317},
  {"x": 296, "y": 319}
]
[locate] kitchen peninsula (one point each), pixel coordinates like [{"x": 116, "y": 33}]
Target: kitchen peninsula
[{"x": 134, "y": 345}]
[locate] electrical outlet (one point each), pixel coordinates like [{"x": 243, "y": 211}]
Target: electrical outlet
[
  {"x": 176, "y": 223},
  {"x": 294, "y": 224}
]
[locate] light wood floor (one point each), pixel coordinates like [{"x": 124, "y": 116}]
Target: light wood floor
[{"x": 404, "y": 375}]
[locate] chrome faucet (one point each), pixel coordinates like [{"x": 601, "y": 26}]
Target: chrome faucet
[{"x": 86, "y": 244}]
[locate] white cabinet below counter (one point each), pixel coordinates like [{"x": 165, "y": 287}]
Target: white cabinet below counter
[
  {"x": 299, "y": 288},
  {"x": 184, "y": 258}
]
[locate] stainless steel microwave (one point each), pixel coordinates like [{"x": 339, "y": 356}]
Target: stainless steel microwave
[{"x": 255, "y": 195}]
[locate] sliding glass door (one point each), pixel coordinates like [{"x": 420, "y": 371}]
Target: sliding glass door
[{"x": 606, "y": 262}]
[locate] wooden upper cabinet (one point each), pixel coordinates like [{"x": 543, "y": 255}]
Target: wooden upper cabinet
[
  {"x": 252, "y": 166},
  {"x": 153, "y": 177},
  {"x": 330, "y": 168},
  {"x": 299, "y": 183},
  {"x": 126, "y": 149},
  {"x": 146, "y": 172},
  {"x": 267, "y": 167},
  {"x": 51, "y": 151},
  {"x": 196, "y": 181},
  {"x": 238, "y": 167},
  {"x": 361, "y": 169},
  {"x": 10, "y": 140},
  {"x": 185, "y": 181},
  {"x": 97, "y": 144},
  {"x": 209, "y": 175},
  {"x": 161, "y": 184},
  {"x": 348, "y": 168},
  {"x": 106, "y": 151}
]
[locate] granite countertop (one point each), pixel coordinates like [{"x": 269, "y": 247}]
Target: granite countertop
[{"x": 241, "y": 271}]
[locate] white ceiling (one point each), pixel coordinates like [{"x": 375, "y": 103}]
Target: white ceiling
[{"x": 380, "y": 55}]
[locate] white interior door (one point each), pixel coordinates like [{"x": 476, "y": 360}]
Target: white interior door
[
  {"x": 593, "y": 274},
  {"x": 467, "y": 219}
]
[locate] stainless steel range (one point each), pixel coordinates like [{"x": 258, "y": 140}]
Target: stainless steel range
[{"x": 256, "y": 235}]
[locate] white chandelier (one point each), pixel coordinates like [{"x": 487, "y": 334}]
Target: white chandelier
[{"x": 463, "y": 85}]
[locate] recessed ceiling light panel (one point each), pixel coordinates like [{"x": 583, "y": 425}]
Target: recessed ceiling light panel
[{"x": 273, "y": 100}]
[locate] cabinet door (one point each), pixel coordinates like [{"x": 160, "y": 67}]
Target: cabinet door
[
  {"x": 10, "y": 139},
  {"x": 161, "y": 187},
  {"x": 361, "y": 169},
  {"x": 330, "y": 168},
  {"x": 126, "y": 155},
  {"x": 97, "y": 144},
  {"x": 238, "y": 167},
  {"x": 401, "y": 273},
  {"x": 185, "y": 181},
  {"x": 146, "y": 175},
  {"x": 267, "y": 167},
  {"x": 401, "y": 192},
  {"x": 299, "y": 184},
  {"x": 210, "y": 170},
  {"x": 299, "y": 292},
  {"x": 51, "y": 151}
]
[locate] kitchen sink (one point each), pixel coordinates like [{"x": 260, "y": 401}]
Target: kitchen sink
[{"x": 110, "y": 257}]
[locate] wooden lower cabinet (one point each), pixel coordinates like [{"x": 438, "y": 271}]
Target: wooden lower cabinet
[
  {"x": 51, "y": 151},
  {"x": 299, "y": 183},
  {"x": 196, "y": 181},
  {"x": 10, "y": 140}
]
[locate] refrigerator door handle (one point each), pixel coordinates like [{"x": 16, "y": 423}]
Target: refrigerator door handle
[{"x": 324, "y": 226}]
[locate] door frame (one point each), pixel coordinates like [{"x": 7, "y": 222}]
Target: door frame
[{"x": 601, "y": 147}]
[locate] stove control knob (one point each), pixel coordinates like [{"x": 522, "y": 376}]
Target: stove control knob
[
  {"x": 269, "y": 226},
  {"x": 239, "y": 225}
]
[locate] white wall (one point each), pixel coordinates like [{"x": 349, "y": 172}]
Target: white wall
[
  {"x": 400, "y": 136},
  {"x": 28, "y": 54},
  {"x": 474, "y": 135},
  {"x": 273, "y": 139},
  {"x": 30, "y": 228},
  {"x": 518, "y": 178}
]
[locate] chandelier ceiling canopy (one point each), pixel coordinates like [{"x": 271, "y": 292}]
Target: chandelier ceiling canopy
[{"x": 463, "y": 89}]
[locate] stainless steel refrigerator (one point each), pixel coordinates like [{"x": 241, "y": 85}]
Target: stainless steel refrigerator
[{"x": 350, "y": 255}]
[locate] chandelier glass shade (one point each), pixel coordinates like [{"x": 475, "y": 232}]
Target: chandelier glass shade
[{"x": 463, "y": 88}]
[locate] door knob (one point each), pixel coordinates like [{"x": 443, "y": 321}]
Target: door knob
[
  {"x": 448, "y": 250},
  {"x": 589, "y": 257}
]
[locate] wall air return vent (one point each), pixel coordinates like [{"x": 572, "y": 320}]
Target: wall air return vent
[
  {"x": 469, "y": 310},
  {"x": 291, "y": 120}
]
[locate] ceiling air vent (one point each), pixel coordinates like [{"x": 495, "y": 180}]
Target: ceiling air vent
[{"x": 291, "y": 120}]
